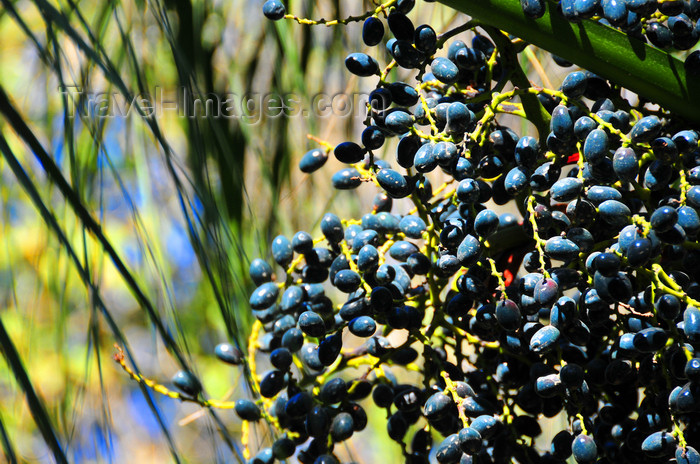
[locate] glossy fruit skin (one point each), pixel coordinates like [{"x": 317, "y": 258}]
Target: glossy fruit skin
[
  {"x": 468, "y": 191},
  {"x": 347, "y": 280},
  {"x": 546, "y": 292},
  {"x": 469, "y": 59},
  {"x": 614, "y": 11},
  {"x": 687, "y": 399},
  {"x": 349, "y": 152},
  {"x": 687, "y": 455},
  {"x": 446, "y": 152},
  {"x": 311, "y": 324},
  {"x": 568, "y": 9},
  {"x": 574, "y": 85},
  {"x": 561, "y": 444},
  {"x": 437, "y": 406},
  {"x": 402, "y": 249},
  {"x": 486, "y": 425},
  {"x": 586, "y": 8},
  {"x": 659, "y": 35},
  {"x": 544, "y": 176},
  {"x": 449, "y": 451},
  {"x": 406, "y": 150},
  {"x": 272, "y": 383},
  {"x": 657, "y": 175},
  {"x": 444, "y": 70},
  {"x": 516, "y": 180},
  {"x": 595, "y": 147},
  {"x": 299, "y": 405},
  {"x": 692, "y": 369},
  {"x": 228, "y": 353},
  {"x": 332, "y": 228},
  {"x": 459, "y": 118},
  {"x": 372, "y": 31},
  {"x": 260, "y": 271},
  {"x": 398, "y": 121},
  {"x": 625, "y": 163},
  {"x": 187, "y": 383},
  {"x": 693, "y": 196},
  {"x": 264, "y": 296},
  {"x": 646, "y": 129},
  {"x": 486, "y": 223},
  {"x": 342, "y": 427},
  {"x": 283, "y": 448},
  {"x": 274, "y": 10},
  {"x": 412, "y": 226},
  {"x": 533, "y": 9},
  {"x": 313, "y": 160},
  {"x": 401, "y": 26},
  {"x": 406, "y": 55},
  {"x": 334, "y": 391},
  {"x": 566, "y": 189},
  {"x": 659, "y": 444},
  {"x": 691, "y": 323},
  {"x": 668, "y": 307},
  {"x": 689, "y": 221},
  {"x": 318, "y": 421},
  {"x": 425, "y": 160},
  {"x": 247, "y": 410},
  {"x": 395, "y": 185},
  {"x": 663, "y": 219},
  {"x": 572, "y": 375},
  {"x": 584, "y": 449},
  {"x": 650, "y": 340},
  {"x": 470, "y": 440},
  {"x": 680, "y": 25},
  {"x": 380, "y": 99},
  {"x": 561, "y": 249},
  {"x": 363, "y": 326},
  {"x": 396, "y": 427},
  {"x": 425, "y": 38},
  {"x": 302, "y": 242},
  {"x": 282, "y": 250},
  {"x": 508, "y": 314},
  {"x": 367, "y": 258},
  {"x": 469, "y": 250},
  {"x": 639, "y": 252},
  {"x": 597, "y": 194},
  {"x": 526, "y": 151},
  {"x": 281, "y": 359},
  {"x": 545, "y": 339},
  {"x": 614, "y": 212},
  {"x": 361, "y": 64},
  {"x": 562, "y": 125}
]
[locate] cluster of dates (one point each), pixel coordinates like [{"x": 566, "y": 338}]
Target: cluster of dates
[
  {"x": 583, "y": 304},
  {"x": 666, "y": 24}
]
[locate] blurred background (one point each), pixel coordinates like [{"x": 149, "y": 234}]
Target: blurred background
[{"x": 136, "y": 228}]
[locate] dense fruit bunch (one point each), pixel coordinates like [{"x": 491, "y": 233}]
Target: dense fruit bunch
[
  {"x": 666, "y": 24},
  {"x": 583, "y": 304}
]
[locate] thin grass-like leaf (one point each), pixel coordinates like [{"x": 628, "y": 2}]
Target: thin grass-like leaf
[
  {"x": 54, "y": 173},
  {"x": 51, "y": 222},
  {"x": 35, "y": 403},
  {"x": 7, "y": 446}
]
